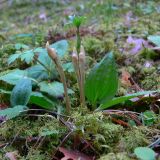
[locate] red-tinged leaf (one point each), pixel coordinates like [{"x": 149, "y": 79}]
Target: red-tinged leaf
[{"x": 73, "y": 155}]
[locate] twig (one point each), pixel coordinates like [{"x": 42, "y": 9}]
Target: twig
[{"x": 152, "y": 145}]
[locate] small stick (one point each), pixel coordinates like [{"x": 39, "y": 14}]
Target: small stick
[{"x": 54, "y": 57}]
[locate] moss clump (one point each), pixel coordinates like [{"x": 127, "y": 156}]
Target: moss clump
[
  {"x": 149, "y": 54},
  {"x": 134, "y": 138},
  {"x": 149, "y": 70},
  {"x": 99, "y": 130},
  {"x": 96, "y": 47},
  {"x": 23, "y": 127},
  {"x": 36, "y": 155},
  {"x": 149, "y": 84},
  {"x": 113, "y": 156},
  {"x": 26, "y": 127}
]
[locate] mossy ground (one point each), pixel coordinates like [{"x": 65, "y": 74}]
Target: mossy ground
[
  {"x": 35, "y": 138},
  {"x": 103, "y": 31}
]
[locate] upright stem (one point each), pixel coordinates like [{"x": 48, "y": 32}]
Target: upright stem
[
  {"x": 63, "y": 79},
  {"x": 75, "y": 61},
  {"x": 79, "y": 66},
  {"x": 78, "y": 40},
  {"x": 54, "y": 57},
  {"x": 82, "y": 74}
]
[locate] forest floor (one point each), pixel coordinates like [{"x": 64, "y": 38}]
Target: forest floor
[{"x": 128, "y": 28}]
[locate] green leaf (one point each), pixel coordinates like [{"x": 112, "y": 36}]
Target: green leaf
[
  {"x": 54, "y": 89},
  {"x": 37, "y": 98},
  {"x": 149, "y": 118},
  {"x": 38, "y": 72},
  {"x": 12, "y": 112},
  {"x": 21, "y": 92},
  {"x": 68, "y": 67},
  {"x": 19, "y": 46},
  {"x": 155, "y": 40},
  {"x": 14, "y": 76},
  {"x": 118, "y": 100},
  {"x": 41, "y": 100},
  {"x": 13, "y": 57},
  {"x": 61, "y": 47},
  {"x": 144, "y": 153},
  {"x": 102, "y": 82},
  {"x": 23, "y": 35},
  {"x": 27, "y": 56},
  {"x": 76, "y": 20}
]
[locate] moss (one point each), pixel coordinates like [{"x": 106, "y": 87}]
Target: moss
[
  {"x": 117, "y": 156},
  {"x": 108, "y": 137},
  {"x": 9, "y": 49},
  {"x": 149, "y": 83},
  {"x": 99, "y": 130},
  {"x": 149, "y": 54},
  {"x": 122, "y": 91},
  {"x": 134, "y": 138},
  {"x": 25, "y": 127},
  {"x": 36, "y": 155},
  {"x": 148, "y": 70},
  {"x": 95, "y": 47}
]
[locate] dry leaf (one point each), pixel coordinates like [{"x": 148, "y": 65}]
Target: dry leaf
[
  {"x": 125, "y": 79},
  {"x": 73, "y": 155}
]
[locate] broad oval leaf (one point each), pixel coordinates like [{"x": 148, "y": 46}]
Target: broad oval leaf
[
  {"x": 102, "y": 82},
  {"x": 145, "y": 153},
  {"x": 61, "y": 47},
  {"x": 39, "y": 99},
  {"x": 21, "y": 92},
  {"x": 10, "y": 113},
  {"x": 13, "y": 76},
  {"x": 54, "y": 89},
  {"x": 38, "y": 72}
]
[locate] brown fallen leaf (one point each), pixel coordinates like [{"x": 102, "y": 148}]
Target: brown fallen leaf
[
  {"x": 125, "y": 78},
  {"x": 73, "y": 155}
]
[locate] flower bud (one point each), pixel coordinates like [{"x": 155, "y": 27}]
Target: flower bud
[
  {"x": 82, "y": 56},
  {"x": 74, "y": 56},
  {"x": 51, "y": 51}
]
